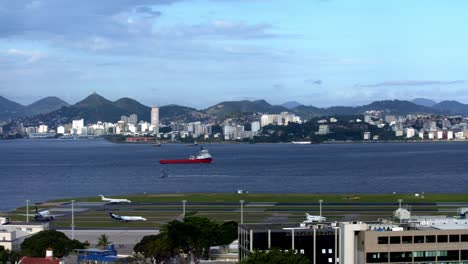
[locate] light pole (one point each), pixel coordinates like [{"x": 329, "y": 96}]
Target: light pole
[
  {"x": 27, "y": 211},
  {"x": 242, "y": 211},
  {"x": 73, "y": 219},
  {"x": 320, "y": 202},
  {"x": 399, "y": 207},
  {"x": 184, "y": 202}
]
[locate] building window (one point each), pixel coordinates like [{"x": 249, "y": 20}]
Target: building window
[
  {"x": 395, "y": 240},
  {"x": 407, "y": 240},
  {"x": 382, "y": 240},
  {"x": 464, "y": 238},
  {"x": 442, "y": 239},
  {"x": 430, "y": 239},
  {"x": 401, "y": 256},
  {"x": 454, "y": 238},
  {"x": 377, "y": 257},
  {"x": 448, "y": 255},
  {"x": 419, "y": 239},
  {"x": 464, "y": 255},
  {"x": 424, "y": 256}
]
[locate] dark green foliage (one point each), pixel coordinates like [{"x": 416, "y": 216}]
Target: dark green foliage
[
  {"x": 235, "y": 108},
  {"x": 37, "y": 245},
  {"x": 103, "y": 241},
  {"x": 8, "y": 256},
  {"x": 194, "y": 237},
  {"x": 275, "y": 257}
]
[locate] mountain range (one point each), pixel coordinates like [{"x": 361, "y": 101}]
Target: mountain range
[
  {"x": 11, "y": 110},
  {"x": 53, "y": 111}
]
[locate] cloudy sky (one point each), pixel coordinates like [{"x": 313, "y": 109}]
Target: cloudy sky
[{"x": 200, "y": 52}]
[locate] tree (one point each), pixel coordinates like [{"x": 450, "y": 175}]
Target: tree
[
  {"x": 7, "y": 256},
  {"x": 36, "y": 245},
  {"x": 192, "y": 237},
  {"x": 103, "y": 241},
  {"x": 275, "y": 257}
]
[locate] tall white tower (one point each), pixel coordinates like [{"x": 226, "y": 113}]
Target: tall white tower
[{"x": 155, "y": 119}]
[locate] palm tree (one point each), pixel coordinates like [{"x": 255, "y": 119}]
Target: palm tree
[{"x": 103, "y": 241}]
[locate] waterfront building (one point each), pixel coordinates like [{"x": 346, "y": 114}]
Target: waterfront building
[
  {"x": 367, "y": 135},
  {"x": 43, "y": 129},
  {"x": 77, "y": 126},
  {"x": 61, "y": 130},
  {"x": 155, "y": 119},
  {"x": 440, "y": 134},
  {"x": 410, "y": 132},
  {"x": 255, "y": 126},
  {"x": 421, "y": 134},
  {"x": 282, "y": 119},
  {"x": 399, "y": 133},
  {"x": 323, "y": 130},
  {"x": 450, "y": 135}
]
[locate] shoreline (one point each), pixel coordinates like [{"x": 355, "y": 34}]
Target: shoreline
[{"x": 250, "y": 143}]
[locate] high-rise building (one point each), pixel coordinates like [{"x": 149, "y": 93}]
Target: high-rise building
[
  {"x": 133, "y": 119},
  {"x": 77, "y": 126},
  {"x": 155, "y": 119}
]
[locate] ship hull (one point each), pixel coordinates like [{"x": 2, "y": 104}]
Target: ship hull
[{"x": 186, "y": 161}]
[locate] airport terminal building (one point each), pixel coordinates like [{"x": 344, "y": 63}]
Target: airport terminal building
[{"x": 416, "y": 240}]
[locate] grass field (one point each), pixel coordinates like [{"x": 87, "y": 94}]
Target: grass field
[{"x": 258, "y": 208}]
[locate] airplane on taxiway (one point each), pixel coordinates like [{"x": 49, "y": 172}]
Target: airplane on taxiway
[
  {"x": 314, "y": 219},
  {"x": 42, "y": 216},
  {"x": 124, "y": 218},
  {"x": 112, "y": 200}
]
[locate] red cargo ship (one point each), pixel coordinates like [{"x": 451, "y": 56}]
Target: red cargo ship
[{"x": 202, "y": 157}]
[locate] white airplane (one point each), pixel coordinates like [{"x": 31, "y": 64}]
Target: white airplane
[
  {"x": 4, "y": 220},
  {"x": 111, "y": 200},
  {"x": 314, "y": 218},
  {"x": 127, "y": 218},
  {"x": 42, "y": 216}
]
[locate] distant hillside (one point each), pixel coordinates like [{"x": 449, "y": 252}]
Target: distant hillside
[
  {"x": 10, "y": 109},
  {"x": 424, "y": 102},
  {"x": 133, "y": 106},
  {"x": 452, "y": 107},
  {"x": 46, "y": 105},
  {"x": 240, "y": 107},
  {"x": 96, "y": 108},
  {"x": 291, "y": 105},
  {"x": 173, "y": 113},
  {"x": 395, "y": 107}
]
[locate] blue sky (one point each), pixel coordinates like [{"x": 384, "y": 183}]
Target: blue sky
[{"x": 200, "y": 52}]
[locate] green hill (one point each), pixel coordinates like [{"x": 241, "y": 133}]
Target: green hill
[
  {"x": 228, "y": 108},
  {"x": 46, "y": 105}
]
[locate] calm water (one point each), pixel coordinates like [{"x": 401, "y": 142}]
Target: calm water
[{"x": 40, "y": 170}]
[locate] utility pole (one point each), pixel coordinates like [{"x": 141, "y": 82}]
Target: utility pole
[
  {"x": 184, "y": 202},
  {"x": 27, "y": 211},
  {"x": 320, "y": 202},
  {"x": 242, "y": 211}
]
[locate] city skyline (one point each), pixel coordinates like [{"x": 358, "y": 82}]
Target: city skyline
[{"x": 320, "y": 53}]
